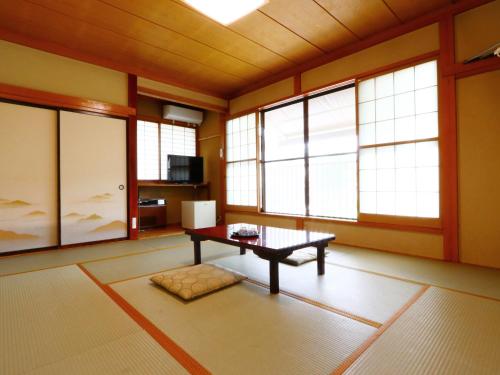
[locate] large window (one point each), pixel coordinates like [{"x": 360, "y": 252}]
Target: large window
[
  {"x": 309, "y": 156},
  {"x": 241, "y": 161},
  {"x": 320, "y": 158},
  {"x": 155, "y": 142},
  {"x": 398, "y": 139}
]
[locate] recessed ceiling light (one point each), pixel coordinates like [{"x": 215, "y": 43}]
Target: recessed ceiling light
[{"x": 225, "y": 11}]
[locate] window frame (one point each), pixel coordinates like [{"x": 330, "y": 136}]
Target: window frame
[
  {"x": 306, "y": 157},
  {"x": 414, "y": 225},
  {"x": 242, "y": 208},
  {"x": 410, "y": 221},
  {"x": 159, "y": 121}
]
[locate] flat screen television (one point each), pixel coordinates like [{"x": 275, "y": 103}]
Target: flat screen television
[{"x": 185, "y": 169}]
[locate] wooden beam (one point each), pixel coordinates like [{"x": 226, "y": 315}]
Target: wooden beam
[
  {"x": 181, "y": 99},
  {"x": 63, "y": 101}
]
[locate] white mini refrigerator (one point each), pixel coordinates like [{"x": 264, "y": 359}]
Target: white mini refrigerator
[{"x": 198, "y": 214}]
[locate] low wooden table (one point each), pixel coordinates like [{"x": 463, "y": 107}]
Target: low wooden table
[{"x": 273, "y": 244}]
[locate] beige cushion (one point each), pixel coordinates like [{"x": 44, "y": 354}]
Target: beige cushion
[
  {"x": 195, "y": 281},
  {"x": 302, "y": 256}
]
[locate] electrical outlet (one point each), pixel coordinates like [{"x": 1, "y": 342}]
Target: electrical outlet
[{"x": 134, "y": 223}]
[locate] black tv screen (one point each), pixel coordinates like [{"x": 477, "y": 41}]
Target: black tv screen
[{"x": 185, "y": 169}]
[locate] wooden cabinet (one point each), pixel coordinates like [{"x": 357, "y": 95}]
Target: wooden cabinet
[{"x": 152, "y": 216}]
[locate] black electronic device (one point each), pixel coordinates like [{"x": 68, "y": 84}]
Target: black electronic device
[{"x": 185, "y": 169}]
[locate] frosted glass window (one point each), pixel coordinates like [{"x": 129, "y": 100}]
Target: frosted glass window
[
  {"x": 387, "y": 171},
  {"x": 399, "y": 156},
  {"x": 241, "y": 181},
  {"x": 426, "y": 125},
  {"x": 175, "y": 140},
  {"x": 384, "y": 109},
  {"x": 366, "y": 91},
  {"x": 155, "y": 142},
  {"x": 426, "y": 75},
  {"x": 404, "y": 104},
  {"x": 404, "y": 80},
  {"x": 284, "y": 132},
  {"x": 332, "y": 186},
  {"x": 284, "y": 188},
  {"x": 241, "y": 166},
  {"x": 329, "y": 157},
  {"x": 367, "y": 134},
  {"x": 367, "y": 112},
  {"x": 409, "y": 97},
  {"x": 426, "y": 100},
  {"x": 147, "y": 151},
  {"x": 384, "y": 86},
  {"x": 332, "y": 123},
  {"x": 385, "y": 131}
]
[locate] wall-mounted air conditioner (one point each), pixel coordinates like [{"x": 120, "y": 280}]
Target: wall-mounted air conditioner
[{"x": 174, "y": 113}]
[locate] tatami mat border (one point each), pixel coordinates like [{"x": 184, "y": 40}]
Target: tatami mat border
[
  {"x": 356, "y": 354},
  {"x": 321, "y": 305},
  {"x": 184, "y": 358},
  {"x": 95, "y": 260},
  {"x": 415, "y": 281}
]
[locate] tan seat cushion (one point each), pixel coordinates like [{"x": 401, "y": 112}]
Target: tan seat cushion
[
  {"x": 302, "y": 256},
  {"x": 195, "y": 281}
]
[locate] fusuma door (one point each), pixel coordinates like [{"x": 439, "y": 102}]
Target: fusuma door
[
  {"x": 93, "y": 175},
  {"x": 28, "y": 177}
]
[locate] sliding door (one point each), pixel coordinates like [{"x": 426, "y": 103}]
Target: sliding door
[
  {"x": 93, "y": 168},
  {"x": 28, "y": 177}
]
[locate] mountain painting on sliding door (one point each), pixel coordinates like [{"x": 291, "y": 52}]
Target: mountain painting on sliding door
[
  {"x": 93, "y": 178},
  {"x": 28, "y": 177}
]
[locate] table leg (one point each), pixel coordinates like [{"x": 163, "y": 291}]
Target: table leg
[
  {"x": 274, "y": 276},
  {"x": 243, "y": 251},
  {"x": 197, "y": 251},
  {"x": 321, "y": 259}
]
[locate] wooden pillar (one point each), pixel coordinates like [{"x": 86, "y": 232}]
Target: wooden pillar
[
  {"x": 133, "y": 192},
  {"x": 448, "y": 141}
]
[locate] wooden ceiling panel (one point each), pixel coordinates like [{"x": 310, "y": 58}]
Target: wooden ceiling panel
[
  {"x": 310, "y": 21},
  {"x": 186, "y": 21},
  {"x": 167, "y": 40},
  {"x": 362, "y": 17},
  {"x": 408, "y": 9},
  {"x": 117, "y": 21},
  {"x": 264, "y": 30},
  {"x": 33, "y": 21}
]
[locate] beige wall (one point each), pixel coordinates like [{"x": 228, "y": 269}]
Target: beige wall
[
  {"x": 266, "y": 95},
  {"x": 401, "y": 48},
  {"x": 210, "y": 143},
  {"x": 478, "y": 121},
  {"x": 149, "y": 106},
  {"x": 412, "y": 243},
  {"x": 34, "y": 69},
  {"x": 476, "y": 30}
]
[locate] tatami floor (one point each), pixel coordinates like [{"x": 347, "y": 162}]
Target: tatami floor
[{"x": 93, "y": 310}]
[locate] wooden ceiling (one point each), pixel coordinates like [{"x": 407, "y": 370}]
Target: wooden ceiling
[{"x": 169, "y": 41}]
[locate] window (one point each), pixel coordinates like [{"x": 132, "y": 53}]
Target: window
[
  {"x": 148, "y": 155},
  {"x": 241, "y": 161},
  {"x": 155, "y": 142},
  {"x": 309, "y": 156},
  {"x": 398, "y": 140}
]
